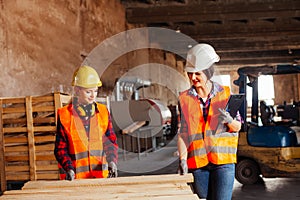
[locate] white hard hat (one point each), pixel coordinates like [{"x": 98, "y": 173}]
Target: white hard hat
[{"x": 201, "y": 57}]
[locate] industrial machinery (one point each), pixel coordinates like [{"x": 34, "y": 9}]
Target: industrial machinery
[
  {"x": 271, "y": 149},
  {"x": 145, "y": 120}
]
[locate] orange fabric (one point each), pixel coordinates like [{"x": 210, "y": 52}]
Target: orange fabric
[
  {"x": 87, "y": 154},
  {"x": 204, "y": 144}
]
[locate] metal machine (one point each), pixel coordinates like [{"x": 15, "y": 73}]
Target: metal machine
[
  {"x": 271, "y": 149},
  {"x": 129, "y": 109}
]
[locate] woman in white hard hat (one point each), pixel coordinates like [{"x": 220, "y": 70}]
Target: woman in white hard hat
[
  {"x": 85, "y": 145},
  {"x": 208, "y": 135}
]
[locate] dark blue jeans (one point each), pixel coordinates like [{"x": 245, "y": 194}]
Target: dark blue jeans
[{"x": 214, "y": 182}]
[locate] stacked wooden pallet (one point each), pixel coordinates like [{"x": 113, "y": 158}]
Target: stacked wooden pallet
[
  {"x": 158, "y": 187},
  {"x": 27, "y": 135}
]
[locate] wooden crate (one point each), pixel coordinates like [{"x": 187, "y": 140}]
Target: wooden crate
[
  {"x": 159, "y": 187},
  {"x": 28, "y": 126}
]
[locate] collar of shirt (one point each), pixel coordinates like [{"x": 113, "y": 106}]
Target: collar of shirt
[{"x": 216, "y": 87}]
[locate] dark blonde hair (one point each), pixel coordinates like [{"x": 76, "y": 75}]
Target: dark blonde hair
[{"x": 209, "y": 72}]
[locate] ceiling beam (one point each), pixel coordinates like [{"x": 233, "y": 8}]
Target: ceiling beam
[{"x": 213, "y": 11}]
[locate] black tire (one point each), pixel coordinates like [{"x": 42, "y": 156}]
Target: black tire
[{"x": 247, "y": 172}]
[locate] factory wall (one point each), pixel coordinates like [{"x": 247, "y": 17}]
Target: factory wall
[{"x": 43, "y": 42}]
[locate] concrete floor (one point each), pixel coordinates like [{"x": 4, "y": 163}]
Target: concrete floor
[
  {"x": 165, "y": 161},
  {"x": 269, "y": 189}
]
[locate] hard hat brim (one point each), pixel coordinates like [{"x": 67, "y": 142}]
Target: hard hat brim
[{"x": 192, "y": 69}]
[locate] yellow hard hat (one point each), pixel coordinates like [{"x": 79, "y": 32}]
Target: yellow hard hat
[{"x": 86, "y": 77}]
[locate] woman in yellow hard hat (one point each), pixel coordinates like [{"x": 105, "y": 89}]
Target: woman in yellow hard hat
[
  {"x": 85, "y": 145},
  {"x": 208, "y": 135}
]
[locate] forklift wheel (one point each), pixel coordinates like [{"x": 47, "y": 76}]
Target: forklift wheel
[{"x": 247, "y": 172}]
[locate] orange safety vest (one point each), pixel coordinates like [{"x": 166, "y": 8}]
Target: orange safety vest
[
  {"x": 88, "y": 157},
  {"x": 205, "y": 144}
]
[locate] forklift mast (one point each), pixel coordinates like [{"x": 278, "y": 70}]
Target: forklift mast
[{"x": 253, "y": 73}]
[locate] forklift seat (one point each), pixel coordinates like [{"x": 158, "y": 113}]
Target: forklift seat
[{"x": 267, "y": 114}]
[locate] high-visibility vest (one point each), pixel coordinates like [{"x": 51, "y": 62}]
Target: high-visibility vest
[
  {"x": 205, "y": 144},
  {"x": 87, "y": 154}
]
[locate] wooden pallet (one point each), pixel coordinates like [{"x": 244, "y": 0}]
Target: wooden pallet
[
  {"x": 158, "y": 187},
  {"x": 28, "y": 126}
]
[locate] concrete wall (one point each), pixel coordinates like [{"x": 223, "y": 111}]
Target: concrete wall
[{"x": 43, "y": 42}]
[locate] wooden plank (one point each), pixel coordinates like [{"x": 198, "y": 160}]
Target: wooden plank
[
  {"x": 149, "y": 179},
  {"x": 30, "y": 137},
  {"x": 43, "y": 108},
  {"x": 49, "y": 147},
  {"x": 93, "y": 196},
  {"x": 17, "y": 177},
  {"x": 16, "y": 140},
  {"x": 183, "y": 188},
  {"x": 13, "y": 100},
  {"x": 47, "y": 167},
  {"x": 50, "y": 138},
  {"x": 57, "y": 103},
  {"x": 132, "y": 127},
  {"x": 14, "y": 110},
  {"x": 64, "y": 99},
  {"x": 16, "y": 168},
  {"x": 46, "y": 98},
  {"x": 14, "y": 121},
  {"x": 44, "y": 128},
  {"x": 172, "y": 186},
  {"x": 48, "y": 176},
  {"x": 16, "y": 149},
  {"x": 15, "y": 158},
  {"x": 156, "y": 189},
  {"x": 2, "y": 160},
  {"x": 44, "y": 120},
  {"x": 14, "y": 129},
  {"x": 45, "y": 157}
]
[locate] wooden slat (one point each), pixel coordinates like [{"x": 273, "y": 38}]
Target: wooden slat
[
  {"x": 46, "y": 98},
  {"x": 45, "y": 157},
  {"x": 15, "y": 140},
  {"x": 14, "y": 129},
  {"x": 48, "y": 176},
  {"x": 47, "y": 167},
  {"x": 44, "y": 120},
  {"x": 14, "y": 121},
  {"x": 44, "y": 128},
  {"x": 2, "y": 160},
  {"x": 151, "y": 179},
  {"x": 21, "y": 168},
  {"x": 49, "y": 147},
  {"x": 14, "y": 110},
  {"x": 17, "y": 168},
  {"x": 17, "y": 177},
  {"x": 43, "y": 108},
  {"x": 16, "y": 158},
  {"x": 30, "y": 137},
  {"x": 13, "y": 100},
  {"x": 16, "y": 149},
  {"x": 50, "y": 138}
]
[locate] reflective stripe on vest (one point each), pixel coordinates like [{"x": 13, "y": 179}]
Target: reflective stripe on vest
[
  {"x": 87, "y": 155},
  {"x": 204, "y": 144}
]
